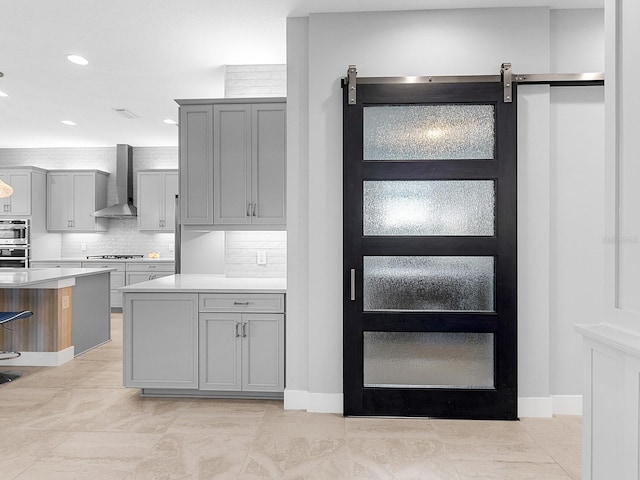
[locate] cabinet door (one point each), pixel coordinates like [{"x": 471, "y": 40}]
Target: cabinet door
[
  {"x": 220, "y": 351},
  {"x": 196, "y": 164},
  {"x": 150, "y": 201},
  {"x": 269, "y": 164},
  {"x": 160, "y": 340},
  {"x": 232, "y": 164},
  {"x": 5, "y": 205},
  {"x": 59, "y": 188},
  {"x": 20, "y": 202},
  {"x": 84, "y": 201},
  {"x": 170, "y": 190},
  {"x": 262, "y": 352},
  {"x": 137, "y": 277}
]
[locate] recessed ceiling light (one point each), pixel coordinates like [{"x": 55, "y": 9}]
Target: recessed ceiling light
[
  {"x": 170, "y": 121},
  {"x": 2, "y": 94},
  {"x": 77, "y": 59},
  {"x": 69, "y": 122}
]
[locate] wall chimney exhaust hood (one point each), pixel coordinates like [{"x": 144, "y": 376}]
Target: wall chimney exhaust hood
[{"x": 124, "y": 206}]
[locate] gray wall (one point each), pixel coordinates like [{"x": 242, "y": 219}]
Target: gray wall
[{"x": 447, "y": 42}]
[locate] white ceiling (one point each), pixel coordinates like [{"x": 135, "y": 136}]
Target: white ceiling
[{"x": 143, "y": 54}]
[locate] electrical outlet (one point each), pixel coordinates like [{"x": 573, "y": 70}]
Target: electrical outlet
[
  {"x": 83, "y": 247},
  {"x": 170, "y": 247},
  {"x": 261, "y": 257}
]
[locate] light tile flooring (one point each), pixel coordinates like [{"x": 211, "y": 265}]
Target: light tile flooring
[{"x": 77, "y": 422}]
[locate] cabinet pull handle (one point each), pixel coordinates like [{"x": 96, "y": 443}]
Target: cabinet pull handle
[
  {"x": 241, "y": 303},
  {"x": 353, "y": 284},
  {"x": 244, "y": 329},
  {"x": 248, "y": 209},
  {"x": 237, "y": 331},
  {"x": 253, "y": 211}
]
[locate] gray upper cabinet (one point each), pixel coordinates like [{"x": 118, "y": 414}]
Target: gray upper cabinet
[
  {"x": 233, "y": 162},
  {"x": 20, "y": 202},
  {"x": 157, "y": 190},
  {"x": 28, "y": 186},
  {"x": 72, "y": 197},
  {"x": 249, "y": 164},
  {"x": 196, "y": 164}
]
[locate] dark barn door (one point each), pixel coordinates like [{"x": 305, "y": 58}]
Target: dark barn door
[{"x": 430, "y": 251}]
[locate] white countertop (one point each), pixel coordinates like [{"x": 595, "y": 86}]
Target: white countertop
[
  {"x": 202, "y": 283},
  {"x": 119, "y": 260},
  {"x": 44, "y": 277}
]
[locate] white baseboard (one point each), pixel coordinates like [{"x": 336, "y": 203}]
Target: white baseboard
[
  {"x": 295, "y": 399},
  {"x": 313, "y": 402},
  {"x": 549, "y": 406},
  {"x": 40, "y": 359},
  {"x": 535, "y": 407},
  {"x": 527, "y": 406},
  {"x": 567, "y": 404}
]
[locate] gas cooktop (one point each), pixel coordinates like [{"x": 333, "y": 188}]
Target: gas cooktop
[{"x": 113, "y": 257}]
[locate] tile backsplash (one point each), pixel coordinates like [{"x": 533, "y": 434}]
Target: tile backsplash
[
  {"x": 241, "y": 250},
  {"x": 123, "y": 237}
]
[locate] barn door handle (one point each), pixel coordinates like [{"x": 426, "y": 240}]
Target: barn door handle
[{"x": 353, "y": 284}]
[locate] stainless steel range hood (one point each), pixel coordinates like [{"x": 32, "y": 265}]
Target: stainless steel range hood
[{"x": 124, "y": 206}]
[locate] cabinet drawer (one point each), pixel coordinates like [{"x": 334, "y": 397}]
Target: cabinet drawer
[
  {"x": 119, "y": 266},
  {"x": 151, "y": 267},
  {"x": 137, "y": 277},
  {"x": 62, "y": 264},
  {"x": 242, "y": 302}
]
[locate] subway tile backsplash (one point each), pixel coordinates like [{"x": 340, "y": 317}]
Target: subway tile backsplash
[
  {"x": 123, "y": 237},
  {"x": 241, "y": 250}
]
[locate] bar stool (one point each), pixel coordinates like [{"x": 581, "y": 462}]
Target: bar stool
[{"x": 5, "y": 318}]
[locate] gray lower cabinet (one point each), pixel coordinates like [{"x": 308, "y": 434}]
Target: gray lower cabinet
[
  {"x": 161, "y": 340},
  {"x": 117, "y": 278},
  {"x": 184, "y": 341},
  {"x": 242, "y": 352}
]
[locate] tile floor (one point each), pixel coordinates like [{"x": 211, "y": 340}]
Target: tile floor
[{"x": 77, "y": 422}]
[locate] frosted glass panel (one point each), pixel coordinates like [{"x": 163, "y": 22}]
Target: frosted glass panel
[
  {"x": 442, "y": 207},
  {"x": 428, "y": 359},
  {"x": 429, "y": 132},
  {"x": 429, "y": 283}
]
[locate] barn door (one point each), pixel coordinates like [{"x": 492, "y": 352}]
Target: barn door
[{"x": 430, "y": 250}]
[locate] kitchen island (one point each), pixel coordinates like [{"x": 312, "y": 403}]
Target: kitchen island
[
  {"x": 205, "y": 335},
  {"x": 70, "y": 308}
]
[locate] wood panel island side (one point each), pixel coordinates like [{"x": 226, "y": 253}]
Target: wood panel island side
[
  {"x": 205, "y": 335},
  {"x": 71, "y": 313}
]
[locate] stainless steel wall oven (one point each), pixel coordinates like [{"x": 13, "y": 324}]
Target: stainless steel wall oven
[{"x": 15, "y": 243}]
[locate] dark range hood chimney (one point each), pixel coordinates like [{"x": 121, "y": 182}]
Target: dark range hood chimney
[{"x": 124, "y": 206}]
